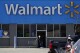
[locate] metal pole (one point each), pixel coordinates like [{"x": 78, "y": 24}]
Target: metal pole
[{"x": 14, "y": 41}]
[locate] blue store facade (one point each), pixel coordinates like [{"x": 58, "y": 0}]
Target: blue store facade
[{"x": 21, "y": 22}]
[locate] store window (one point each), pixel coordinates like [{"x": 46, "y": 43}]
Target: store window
[
  {"x": 5, "y": 28},
  {"x": 26, "y": 30},
  {"x": 77, "y": 29},
  {"x": 56, "y": 30},
  {"x": 62, "y": 30},
  {"x": 41, "y": 26},
  {"x": 50, "y": 30},
  {"x": 33, "y": 30},
  {"x": 20, "y": 30}
]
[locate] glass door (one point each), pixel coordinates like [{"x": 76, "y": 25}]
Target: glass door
[{"x": 41, "y": 38}]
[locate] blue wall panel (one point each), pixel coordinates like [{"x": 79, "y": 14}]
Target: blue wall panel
[{"x": 39, "y": 19}]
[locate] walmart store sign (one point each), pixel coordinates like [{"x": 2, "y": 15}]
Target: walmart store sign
[
  {"x": 30, "y": 10},
  {"x": 40, "y": 10}
]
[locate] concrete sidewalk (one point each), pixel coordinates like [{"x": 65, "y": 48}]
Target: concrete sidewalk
[{"x": 24, "y": 50}]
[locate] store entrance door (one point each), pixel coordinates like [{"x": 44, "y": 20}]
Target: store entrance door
[{"x": 41, "y": 35}]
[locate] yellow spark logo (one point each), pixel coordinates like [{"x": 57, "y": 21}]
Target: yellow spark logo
[{"x": 69, "y": 11}]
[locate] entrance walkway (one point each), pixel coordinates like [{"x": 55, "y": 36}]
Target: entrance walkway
[{"x": 24, "y": 50}]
